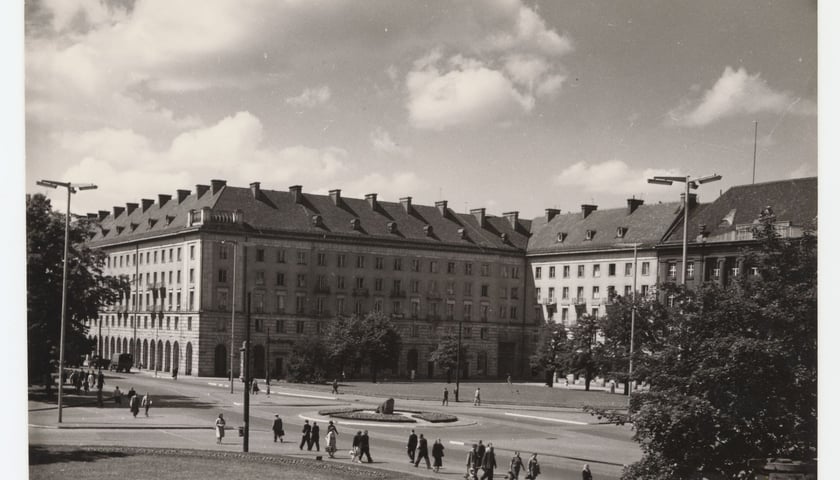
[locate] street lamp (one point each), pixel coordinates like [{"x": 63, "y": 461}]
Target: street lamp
[
  {"x": 458, "y": 363},
  {"x": 232, "y": 308},
  {"x": 632, "y": 309},
  {"x": 694, "y": 184},
  {"x": 71, "y": 188}
]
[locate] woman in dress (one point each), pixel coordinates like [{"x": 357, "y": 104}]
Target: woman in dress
[
  {"x": 220, "y": 429},
  {"x": 437, "y": 454}
]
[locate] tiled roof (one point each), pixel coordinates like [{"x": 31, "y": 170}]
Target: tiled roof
[
  {"x": 646, "y": 225},
  {"x": 276, "y": 212},
  {"x": 792, "y": 201}
]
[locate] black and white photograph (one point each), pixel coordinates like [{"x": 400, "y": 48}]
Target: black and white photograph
[{"x": 463, "y": 239}]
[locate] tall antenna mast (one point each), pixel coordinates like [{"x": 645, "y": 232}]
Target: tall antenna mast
[{"x": 755, "y": 147}]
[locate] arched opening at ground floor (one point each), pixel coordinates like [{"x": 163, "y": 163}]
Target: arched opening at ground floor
[
  {"x": 220, "y": 358},
  {"x": 188, "y": 359}
]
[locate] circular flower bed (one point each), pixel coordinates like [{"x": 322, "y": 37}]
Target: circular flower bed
[
  {"x": 350, "y": 413},
  {"x": 434, "y": 417}
]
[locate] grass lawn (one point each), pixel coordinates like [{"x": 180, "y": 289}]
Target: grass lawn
[
  {"x": 491, "y": 393},
  {"x": 159, "y": 463}
]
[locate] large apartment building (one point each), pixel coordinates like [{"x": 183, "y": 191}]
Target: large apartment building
[{"x": 306, "y": 259}]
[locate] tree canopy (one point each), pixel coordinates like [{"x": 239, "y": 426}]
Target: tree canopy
[
  {"x": 371, "y": 340},
  {"x": 88, "y": 288},
  {"x": 446, "y": 355},
  {"x": 552, "y": 350}
]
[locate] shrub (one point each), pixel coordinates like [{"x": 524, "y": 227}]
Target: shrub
[{"x": 435, "y": 417}]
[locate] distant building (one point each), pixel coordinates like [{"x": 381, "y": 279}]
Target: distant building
[
  {"x": 718, "y": 232},
  {"x": 306, "y": 259},
  {"x": 580, "y": 261}
]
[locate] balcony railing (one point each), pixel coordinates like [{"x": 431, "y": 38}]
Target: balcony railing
[
  {"x": 397, "y": 293},
  {"x": 398, "y": 315},
  {"x": 361, "y": 292},
  {"x": 323, "y": 289},
  {"x": 434, "y": 296},
  {"x": 579, "y": 300},
  {"x": 548, "y": 301}
]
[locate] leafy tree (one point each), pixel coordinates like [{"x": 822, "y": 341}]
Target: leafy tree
[
  {"x": 734, "y": 377},
  {"x": 87, "y": 287},
  {"x": 583, "y": 351},
  {"x": 371, "y": 340},
  {"x": 552, "y": 350},
  {"x": 446, "y": 355},
  {"x": 308, "y": 363}
]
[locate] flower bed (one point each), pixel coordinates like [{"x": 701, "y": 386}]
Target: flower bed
[
  {"x": 434, "y": 417},
  {"x": 351, "y": 413},
  {"x": 333, "y": 411},
  {"x": 376, "y": 417}
]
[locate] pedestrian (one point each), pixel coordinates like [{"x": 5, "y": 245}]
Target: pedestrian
[
  {"x": 412, "y": 446},
  {"x": 330, "y": 443},
  {"x": 477, "y": 399},
  {"x": 508, "y": 379},
  {"x": 331, "y": 427},
  {"x": 315, "y": 437},
  {"x": 423, "y": 452},
  {"x": 92, "y": 379},
  {"x": 100, "y": 381},
  {"x": 335, "y": 386},
  {"x": 533, "y": 467},
  {"x": 488, "y": 463},
  {"x": 445, "y": 397},
  {"x": 117, "y": 395},
  {"x": 131, "y": 392},
  {"x": 481, "y": 450},
  {"x": 134, "y": 405},
  {"x": 267, "y": 387},
  {"x": 364, "y": 444},
  {"x": 307, "y": 430},
  {"x": 175, "y": 373},
  {"x": 147, "y": 403},
  {"x": 437, "y": 454},
  {"x": 77, "y": 381},
  {"x": 473, "y": 463},
  {"x": 277, "y": 428},
  {"x": 585, "y": 473},
  {"x": 85, "y": 383},
  {"x": 515, "y": 466},
  {"x": 220, "y": 429},
  {"x": 255, "y": 387},
  {"x": 357, "y": 448}
]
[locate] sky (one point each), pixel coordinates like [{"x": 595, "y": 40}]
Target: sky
[{"x": 509, "y": 105}]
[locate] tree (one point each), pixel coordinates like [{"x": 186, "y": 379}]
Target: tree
[
  {"x": 446, "y": 355},
  {"x": 582, "y": 354},
  {"x": 371, "y": 340},
  {"x": 308, "y": 363},
  {"x": 87, "y": 287},
  {"x": 734, "y": 377},
  {"x": 552, "y": 350}
]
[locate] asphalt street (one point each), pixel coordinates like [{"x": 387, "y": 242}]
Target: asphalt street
[{"x": 184, "y": 411}]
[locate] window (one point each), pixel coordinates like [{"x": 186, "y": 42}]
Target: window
[
  {"x": 339, "y": 282},
  {"x": 177, "y": 277},
  {"x": 379, "y": 263},
  {"x": 280, "y": 279},
  {"x": 300, "y": 303},
  {"x": 467, "y": 332},
  {"x": 189, "y": 323},
  {"x": 360, "y": 261},
  {"x": 281, "y": 256},
  {"x": 450, "y": 288},
  {"x": 397, "y": 264},
  {"x": 611, "y": 292},
  {"x": 301, "y": 257},
  {"x": 397, "y": 307},
  {"x": 485, "y": 312},
  {"x": 467, "y": 311},
  {"x": 415, "y": 265},
  {"x": 299, "y": 326},
  {"x": 322, "y": 259},
  {"x": 565, "y": 293},
  {"x": 319, "y": 306},
  {"x": 564, "y": 314},
  {"x": 581, "y": 269},
  {"x": 468, "y": 289},
  {"x": 504, "y": 271},
  {"x": 628, "y": 290},
  {"x": 339, "y": 306},
  {"x": 260, "y": 254},
  {"x": 341, "y": 260},
  {"x": 260, "y": 280},
  {"x": 514, "y": 272},
  {"x": 514, "y": 293},
  {"x": 538, "y": 272},
  {"x": 377, "y": 284},
  {"x": 192, "y": 254},
  {"x": 484, "y": 290},
  {"x": 415, "y": 286},
  {"x": 177, "y": 251},
  {"x": 154, "y": 257},
  {"x": 513, "y": 312},
  {"x": 754, "y": 271},
  {"x": 566, "y": 273},
  {"x": 550, "y": 272},
  {"x": 280, "y": 302},
  {"x": 170, "y": 261},
  {"x": 259, "y": 303},
  {"x": 502, "y": 292},
  {"x": 360, "y": 282},
  {"x": 579, "y": 294},
  {"x": 483, "y": 333},
  {"x": 415, "y": 331},
  {"x": 611, "y": 270},
  {"x": 485, "y": 269},
  {"x": 595, "y": 312},
  {"x": 450, "y": 268},
  {"x": 468, "y": 269},
  {"x": 716, "y": 273},
  {"x": 644, "y": 290},
  {"x": 628, "y": 269},
  {"x": 279, "y": 326},
  {"x": 222, "y": 275},
  {"x": 550, "y": 294},
  {"x": 596, "y": 292},
  {"x": 645, "y": 268},
  {"x": 596, "y": 270},
  {"x": 734, "y": 271},
  {"x": 222, "y": 299},
  {"x": 415, "y": 308},
  {"x": 433, "y": 266},
  {"x": 301, "y": 280},
  {"x": 689, "y": 270},
  {"x": 672, "y": 270},
  {"x": 377, "y": 305}
]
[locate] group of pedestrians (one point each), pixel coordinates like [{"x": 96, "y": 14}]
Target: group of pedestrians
[
  {"x": 134, "y": 401},
  {"x": 418, "y": 449},
  {"x": 81, "y": 380},
  {"x": 484, "y": 459}
]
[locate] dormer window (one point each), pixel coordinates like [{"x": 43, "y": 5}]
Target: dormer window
[
  {"x": 169, "y": 219},
  {"x": 134, "y": 226},
  {"x": 152, "y": 223},
  {"x": 504, "y": 237},
  {"x": 590, "y": 234},
  {"x": 462, "y": 233},
  {"x": 428, "y": 230},
  {"x": 392, "y": 227},
  {"x": 355, "y": 224},
  {"x": 120, "y": 230},
  {"x": 317, "y": 221},
  {"x": 561, "y": 237},
  {"x": 105, "y": 232},
  {"x": 620, "y": 231}
]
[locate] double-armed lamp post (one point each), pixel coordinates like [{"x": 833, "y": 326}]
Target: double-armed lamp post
[{"x": 71, "y": 189}]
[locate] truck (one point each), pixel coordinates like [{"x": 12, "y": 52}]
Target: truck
[{"x": 121, "y": 362}]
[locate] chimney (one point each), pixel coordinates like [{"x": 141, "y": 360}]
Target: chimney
[
  {"x": 297, "y": 193},
  {"x": 182, "y": 195},
  {"x": 200, "y": 190},
  {"x": 441, "y": 206},
  {"x": 633, "y": 204},
  {"x": 406, "y": 203},
  {"x": 371, "y": 199},
  {"x": 103, "y": 214},
  {"x": 217, "y": 185},
  {"x": 147, "y": 202},
  {"x": 478, "y": 213},
  {"x": 130, "y": 207},
  {"x": 692, "y": 199},
  {"x": 587, "y": 209},
  {"x": 513, "y": 218},
  {"x": 255, "y": 190},
  {"x": 118, "y": 211},
  {"x": 162, "y": 199},
  {"x": 551, "y": 213},
  {"x": 335, "y": 195}
]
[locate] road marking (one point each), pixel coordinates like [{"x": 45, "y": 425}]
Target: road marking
[
  {"x": 180, "y": 436},
  {"x": 237, "y": 404},
  {"x": 454, "y": 442},
  {"x": 546, "y": 419}
]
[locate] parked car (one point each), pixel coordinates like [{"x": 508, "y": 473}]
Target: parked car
[{"x": 121, "y": 362}]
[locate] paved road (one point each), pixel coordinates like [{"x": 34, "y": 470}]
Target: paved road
[{"x": 184, "y": 412}]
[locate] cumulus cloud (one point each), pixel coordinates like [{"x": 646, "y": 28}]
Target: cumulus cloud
[
  {"x": 382, "y": 142},
  {"x": 737, "y": 92},
  {"x": 311, "y": 97},
  {"x": 611, "y": 176}
]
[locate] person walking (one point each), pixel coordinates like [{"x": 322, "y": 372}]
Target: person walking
[
  {"x": 437, "y": 454},
  {"x": 481, "y": 450},
  {"x": 488, "y": 463},
  {"x": 92, "y": 379},
  {"x": 335, "y": 386},
  {"x": 255, "y": 387},
  {"x": 134, "y": 405},
  {"x": 364, "y": 443},
  {"x": 146, "y": 403},
  {"x": 330, "y": 443},
  {"x": 357, "y": 448},
  {"x": 331, "y": 427},
  {"x": 85, "y": 383},
  {"x": 412, "y": 446},
  {"x": 533, "y": 467},
  {"x": 445, "y": 397},
  {"x": 117, "y": 395},
  {"x": 515, "y": 466},
  {"x": 277, "y": 428},
  {"x": 267, "y": 387},
  {"x": 477, "y": 398},
  {"x": 473, "y": 462},
  {"x": 585, "y": 473},
  {"x": 175, "y": 373},
  {"x": 423, "y": 452},
  {"x": 220, "y": 429},
  {"x": 307, "y": 429},
  {"x": 315, "y": 437}
]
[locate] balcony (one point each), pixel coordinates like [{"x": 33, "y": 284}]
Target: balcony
[
  {"x": 397, "y": 293},
  {"x": 398, "y": 316},
  {"x": 434, "y": 296},
  {"x": 579, "y": 300},
  {"x": 548, "y": 301},
  {"x": 361, "y": 292},
  {"x": 155, "y": 285},
  {"x": 209, "y": 215},
  {"x": 322, "y": 289}
]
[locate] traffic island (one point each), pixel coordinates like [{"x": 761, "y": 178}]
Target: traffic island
[{"x": 397, "y": 416}]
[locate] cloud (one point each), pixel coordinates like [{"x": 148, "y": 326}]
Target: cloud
[
  {"x": 526, "y": 30},
  {"x": 737, "y": 92},
  {"x": 610, "y": 177},
  {"x": 382, "y": 142},
  {"x": 311, "y": 97}
]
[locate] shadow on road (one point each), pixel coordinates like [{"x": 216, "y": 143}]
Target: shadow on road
[
  {"x": 89, "y": 400},
  {"x": 44, "y": 456}
]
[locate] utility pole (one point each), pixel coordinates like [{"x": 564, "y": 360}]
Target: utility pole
[
  {"x": 247, "y": 390},
  {"x": 458, "y": 363},
  {"x": 755, "y": 148}
]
